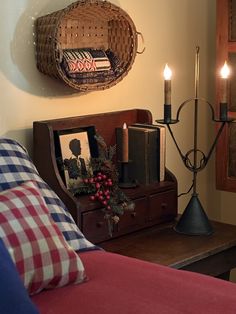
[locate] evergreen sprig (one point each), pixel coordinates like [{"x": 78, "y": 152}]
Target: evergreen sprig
[{"x": 102, "y": 185}]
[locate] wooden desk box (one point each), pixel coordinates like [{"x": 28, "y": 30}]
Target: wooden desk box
[{"x": 155, "y": 203}]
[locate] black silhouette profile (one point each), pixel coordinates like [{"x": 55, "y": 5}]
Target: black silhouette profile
[{"x": 75, "y": 166}]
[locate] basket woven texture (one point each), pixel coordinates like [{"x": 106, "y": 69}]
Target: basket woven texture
[{"x": 95, "y": 24}]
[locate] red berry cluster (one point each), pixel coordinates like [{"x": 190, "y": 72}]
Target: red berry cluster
[{"x": 102, "y": 186}]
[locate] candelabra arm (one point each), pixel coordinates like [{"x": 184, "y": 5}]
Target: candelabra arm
[
  {"x": 214, "y": 143},
  {"x": 196, "y": 99},
  {"x": 176, "y": 144},
  {"x": 205, "y": 159}
]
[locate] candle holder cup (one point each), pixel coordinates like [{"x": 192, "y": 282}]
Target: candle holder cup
[
  {"x": 224, "y": 112},
  {"x": 167, "y": 113}
]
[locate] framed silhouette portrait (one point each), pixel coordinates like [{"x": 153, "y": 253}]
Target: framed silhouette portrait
[{"x": 75, "y": 148}]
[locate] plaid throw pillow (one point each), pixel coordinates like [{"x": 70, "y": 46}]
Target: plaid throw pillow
[
  {"x": 16, "y": 167},
  {"x": 42, "y": 256}
]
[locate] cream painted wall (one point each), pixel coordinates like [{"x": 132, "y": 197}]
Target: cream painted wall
[{"x": 171, "y": 30}]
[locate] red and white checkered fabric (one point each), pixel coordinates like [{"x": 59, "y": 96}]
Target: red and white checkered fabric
[{"x": 42, "y": 256}]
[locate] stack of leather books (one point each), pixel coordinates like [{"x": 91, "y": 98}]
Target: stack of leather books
[{"x": 147, "y": 152}]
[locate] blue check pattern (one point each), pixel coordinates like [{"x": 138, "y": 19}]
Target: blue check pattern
[{"x": 16, "y": 167}]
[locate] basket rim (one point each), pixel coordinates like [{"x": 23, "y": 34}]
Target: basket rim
[{"x": 80, "y": 3}]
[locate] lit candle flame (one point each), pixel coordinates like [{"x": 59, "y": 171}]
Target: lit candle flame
[
  {"x": 167, "y": 73},
  {"x": 225, "y": 71},
  {"x": 124, "y": 126}
]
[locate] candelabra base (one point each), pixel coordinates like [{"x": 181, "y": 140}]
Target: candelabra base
[{"x": 194, "y": 220}]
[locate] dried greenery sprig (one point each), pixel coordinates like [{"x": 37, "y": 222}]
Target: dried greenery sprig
[{"x": 102, "y": 185}]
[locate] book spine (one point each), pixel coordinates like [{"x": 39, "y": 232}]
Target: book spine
[
  {"x": 153, "y": 156},
  {"x": 138, "y": 150},
  {"x": 161, "y": 147}
]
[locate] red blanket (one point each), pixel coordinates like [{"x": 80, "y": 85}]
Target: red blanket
[{"x": 119, "y": 284}]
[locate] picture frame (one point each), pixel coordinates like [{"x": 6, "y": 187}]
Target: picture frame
[{"x": 74, "y": 149}]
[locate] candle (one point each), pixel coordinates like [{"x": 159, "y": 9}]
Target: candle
[
  {"x": 224, "y": 92},
  {"x": 125, "y": 143},
  {"x": 167, "y": 86},
  {"x": 224, "y": 83},
  {"x": 167, "y": 94},
  {"x": 223, "y": 111}
]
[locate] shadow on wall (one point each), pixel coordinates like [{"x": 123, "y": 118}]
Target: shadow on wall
[
  {"x": 18, "y": 47},
  {"x": 24, "y": 137},
  {"x": 38, "y": 83}
]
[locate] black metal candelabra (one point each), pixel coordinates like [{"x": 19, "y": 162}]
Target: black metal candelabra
[{"x": 194, "y": 220}]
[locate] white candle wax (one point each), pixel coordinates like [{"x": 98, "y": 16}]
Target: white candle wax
[
  {"x": 167, "y": 85},
  {"x": 224, "y": 83}
]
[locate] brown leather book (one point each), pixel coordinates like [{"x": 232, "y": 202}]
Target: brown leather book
[
  {"x": 143, "y": 154},
  {"x": 160, "y": 149}
]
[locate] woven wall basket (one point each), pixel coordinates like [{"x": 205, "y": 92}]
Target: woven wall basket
[{"x": 94, "y": 24}]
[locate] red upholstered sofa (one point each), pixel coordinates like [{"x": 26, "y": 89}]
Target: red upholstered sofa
[
  {"x": 114, "y": 283},
  {"x": 119, "y": 284}
]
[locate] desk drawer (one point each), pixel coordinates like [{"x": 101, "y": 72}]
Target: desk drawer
[
  {"x": 133, "y": 220},
  {"x": 162, "y": 206},
  {"x": 95, "y": 227}
]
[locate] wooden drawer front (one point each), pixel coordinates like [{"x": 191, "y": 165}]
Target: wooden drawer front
[
  {"x": 94, "y": 226},
  {"x": 162, "y": 206},
  {"x": 133, "y": 220}
]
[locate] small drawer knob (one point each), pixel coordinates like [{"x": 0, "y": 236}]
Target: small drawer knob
[
  {"x": 99, "y": 224},
  {"x": 163, "y": 205}
]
